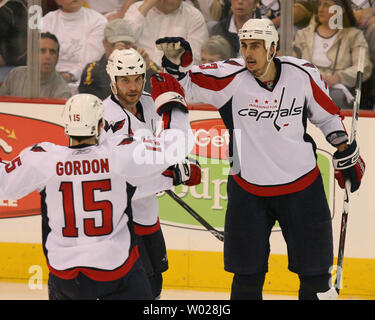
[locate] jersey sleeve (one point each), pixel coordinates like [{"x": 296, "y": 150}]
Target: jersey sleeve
[
  {"x": 141, "y": 159},
  {"x": 322, "y": 111},
  {"x": 212, "y": 83},
  {"x": 156, "y": 182},
  {"x": 23, "y": 174}
]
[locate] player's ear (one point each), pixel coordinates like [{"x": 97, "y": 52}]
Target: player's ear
[
  {"x": 100, "y": 126},
  {"x": 272, "y": 51}
]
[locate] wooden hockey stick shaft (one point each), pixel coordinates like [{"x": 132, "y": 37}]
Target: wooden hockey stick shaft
[
  {"x": 353, "y": 133},
  {"x": 218, "y": 234}
]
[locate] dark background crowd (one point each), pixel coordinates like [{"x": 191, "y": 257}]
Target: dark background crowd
[{"x": 78, "y": 36}]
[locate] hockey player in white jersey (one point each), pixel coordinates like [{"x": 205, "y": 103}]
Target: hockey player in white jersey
[
  {"x": 265, "y": 102},
  {"x": 130, "y": 110},
  {"x": 87, "y": 190}
]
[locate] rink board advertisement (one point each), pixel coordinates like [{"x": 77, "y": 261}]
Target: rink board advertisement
[{"x": 195, "y": 255}]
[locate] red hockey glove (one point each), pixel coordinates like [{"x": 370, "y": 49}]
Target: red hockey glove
[
  {"x": 187, "y": 172},
  {"x": 349, "y": 165},
  {"x": 178, "y": 56},
  {"x": 167, "y": 93}
]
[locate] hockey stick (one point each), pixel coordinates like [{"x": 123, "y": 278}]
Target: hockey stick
[
  {"x": 218, "y": 234},
  {"x": 353, "y": 134},
  {"x": 335, "y": 290}
]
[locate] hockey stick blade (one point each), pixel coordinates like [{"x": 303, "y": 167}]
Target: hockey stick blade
[
  {"x": 218, "y": 234},
  {"x": 330, "y": 294}
]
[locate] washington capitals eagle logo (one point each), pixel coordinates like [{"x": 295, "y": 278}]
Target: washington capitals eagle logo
[{"x": 115, "y": 126}]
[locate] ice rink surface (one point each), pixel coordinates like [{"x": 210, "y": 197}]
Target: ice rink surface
[{"x": 21, "y": 291}]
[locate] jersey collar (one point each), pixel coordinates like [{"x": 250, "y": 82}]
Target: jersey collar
[
  {"x": 140, "y": 114},
  {"x": 278, "y": 72}
]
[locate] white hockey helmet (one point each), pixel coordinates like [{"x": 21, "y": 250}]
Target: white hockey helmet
[
  {"x": 81, "y": 115},
  {"x": 262, "y": 29},
  {"x": 126, "y": 62}
]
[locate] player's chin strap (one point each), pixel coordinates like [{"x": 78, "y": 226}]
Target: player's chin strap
[
  {"x": 114, "y": 90},
  {"x": 268, "y": 62}
]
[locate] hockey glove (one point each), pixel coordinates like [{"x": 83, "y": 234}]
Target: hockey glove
[
  {"x": 349, "y": 165},
  {"x": 167, "y": 93},
  {"x": 178, "y": 56},
  {"x": 187, "y": 172}
]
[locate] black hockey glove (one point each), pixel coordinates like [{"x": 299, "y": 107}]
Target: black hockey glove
[
  {"x": 349, "y": 165},
  {"x": 187, "y": 172},
  {"x": 178, "y": 56}
]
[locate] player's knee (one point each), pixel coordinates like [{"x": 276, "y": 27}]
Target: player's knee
[
  {"x": 311, "y": 285},
  {"x": 247, "y": 287}
]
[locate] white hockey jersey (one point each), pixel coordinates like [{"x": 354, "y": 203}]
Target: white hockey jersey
[
  {"x": 120, "y": 121},
  {"x": 87, "y": 224},
  {"x": 271, "y": 153}
]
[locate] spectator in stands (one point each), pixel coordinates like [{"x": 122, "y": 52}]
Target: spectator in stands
[
  {"x": 217, "y": 8},
  {"x": 270, "y": 9},
  {"x": 302, "y": 12},
  {"x": 364, "y": 12},
  {"x": 226, "y": 9},
  {"x": 48, "y": 5},
  {"x": 52, "y": 85},
  {"x": 13, "y": 35},
  {"x": 362, "y": 4},
  {"x": 211, "y": 10},
  {"x": 203, "y": 6},
  {"x": 111, "y": 9},
  {"x": 154, "y": 19},
  {"x": 80, "y": 33},
  {"x": 334, "y": 49},
  {"x": 242, "y": 10},
  {"x": 217, "y": 48},
  {"x": 117, "y": 35}
]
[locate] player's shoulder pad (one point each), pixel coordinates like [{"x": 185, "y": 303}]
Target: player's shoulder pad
[
  {"x": 109, "y": 103},
  {"x": 112, "y": 111},
  {"x": 305, "y": 67},
  {"x": 126, "y": 140},
  {"x": 147, "y": 102},
  {"x": 42, "y": 147},
  {"x": 145, "y": 96},
  {"x": 39, "y": 150},
  {"x": 118, "y": 141}
]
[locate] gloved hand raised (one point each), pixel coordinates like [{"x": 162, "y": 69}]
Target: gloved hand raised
[{"x": 178, "y": 56}]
